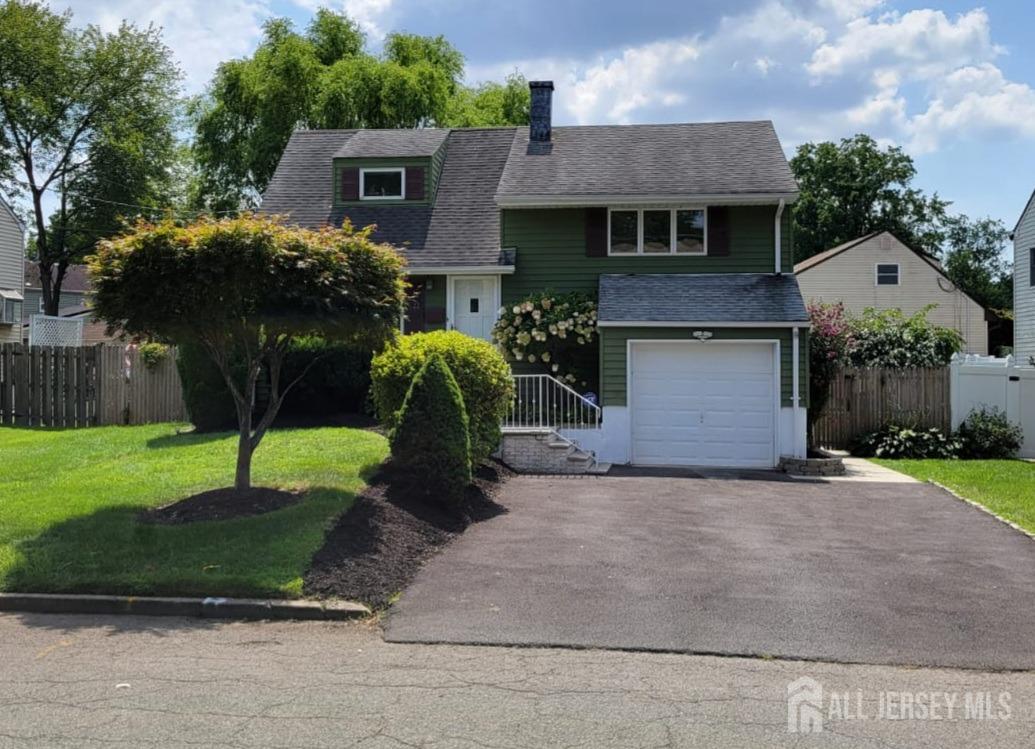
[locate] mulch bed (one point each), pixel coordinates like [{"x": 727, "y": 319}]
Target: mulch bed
[
  {"x": 377, "y": 547},
  {"x": 222, "y": 504}
]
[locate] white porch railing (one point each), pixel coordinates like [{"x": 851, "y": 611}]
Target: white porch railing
[{"x": 544, "y": 402}]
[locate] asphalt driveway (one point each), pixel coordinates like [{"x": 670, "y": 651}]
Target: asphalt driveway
[{"x": 751, "y": 564}]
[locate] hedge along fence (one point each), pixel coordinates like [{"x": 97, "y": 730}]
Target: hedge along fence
[
  {"x": 86, "y": 386},
  {"x": 862, "y": 400}
]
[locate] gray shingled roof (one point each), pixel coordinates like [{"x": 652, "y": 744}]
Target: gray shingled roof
[
  {"x": 461, "y": 228},
  {"x": 701, "y": 297},
  {"x": 378, "y": 143},
  {"x": 719, "y": 158}
]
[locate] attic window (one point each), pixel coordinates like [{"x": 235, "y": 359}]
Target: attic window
[
  {"x": 382, "y": 184},
  {"x": 887, "y": 274}
]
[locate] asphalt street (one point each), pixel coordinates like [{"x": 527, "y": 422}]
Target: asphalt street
[{"x": 87, "y": 681}]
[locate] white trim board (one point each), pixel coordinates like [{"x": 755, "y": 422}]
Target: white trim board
[
  {"x": 461, "y": 270},
  {"x": 557, "y": 201},
  {"x": 697, "y": 324}
]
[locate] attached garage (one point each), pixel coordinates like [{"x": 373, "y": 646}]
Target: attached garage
[
  {"x": 702, "y": 370},
  {"x": 704, "y": 403}
]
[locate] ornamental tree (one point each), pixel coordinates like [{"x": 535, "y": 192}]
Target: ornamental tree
[
  {"x": 244, "y": 289},
  {"x": 547, "y": 329}
]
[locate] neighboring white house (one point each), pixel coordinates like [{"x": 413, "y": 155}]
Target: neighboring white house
[
  {"x": 12, "y": 274},
  {"x": 880, "y": 271},
  {"x": 1024, "y": 286}
]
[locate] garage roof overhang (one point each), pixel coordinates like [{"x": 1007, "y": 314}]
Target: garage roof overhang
[{"x": 730, "y": 300}]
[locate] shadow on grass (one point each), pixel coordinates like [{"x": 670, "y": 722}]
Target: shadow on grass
[
  {"x": 111, "y": 552},
  {"x": 186, "y": 438}
]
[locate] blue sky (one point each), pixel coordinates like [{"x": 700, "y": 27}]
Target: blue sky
[{"x": 951, "y": 82}]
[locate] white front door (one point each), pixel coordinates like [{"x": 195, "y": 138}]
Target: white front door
[
  {"x": 706, "y": 404},
  {"x": 474, "y": 305}
]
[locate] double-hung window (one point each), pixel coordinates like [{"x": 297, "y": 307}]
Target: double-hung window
[
  {"x": 887, "y": 274},
  {"x": 382, "y": 184},
  {"x": 657, "y": 231}
]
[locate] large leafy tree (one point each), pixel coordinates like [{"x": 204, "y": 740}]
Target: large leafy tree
[
  {"x": 324, "y": 78},
  {"x": 975, "y": 261},
  {"x": 87, "y": 129},
  {"x": 244, "y": 289},
  {"x": 855, "y": 187}
]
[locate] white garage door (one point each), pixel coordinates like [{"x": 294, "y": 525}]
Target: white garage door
[{"x": 706, "y": 404}]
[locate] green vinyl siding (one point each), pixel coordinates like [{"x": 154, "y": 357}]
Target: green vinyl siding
[
  {"x": 432, "y": 168},
  {"x": 551, "y": 250},
  {"x": 613, "y": 348}
]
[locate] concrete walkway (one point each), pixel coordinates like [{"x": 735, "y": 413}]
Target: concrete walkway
[
  {"x": 747, "y": 563},
  {"x": 860, "y": 469}
]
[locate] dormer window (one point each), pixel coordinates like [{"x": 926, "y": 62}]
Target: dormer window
[{"x": 382, "y": 184}]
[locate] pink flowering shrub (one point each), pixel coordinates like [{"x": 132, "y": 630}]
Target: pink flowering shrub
[{"x": 830, "y": 344}]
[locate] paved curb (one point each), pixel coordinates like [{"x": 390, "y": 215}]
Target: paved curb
[{"x": 205, "y": 608}]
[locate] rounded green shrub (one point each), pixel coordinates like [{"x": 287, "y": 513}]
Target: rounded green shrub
[
  {"x": 480, "y": 371},
  {"x": 431, "y": 444},
  {"x": 987, "y": 434}
]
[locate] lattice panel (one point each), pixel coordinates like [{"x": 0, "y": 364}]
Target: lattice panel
[{"x": 45, "y": 330}]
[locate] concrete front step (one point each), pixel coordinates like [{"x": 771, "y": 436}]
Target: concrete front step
[{"x": 545, "y": 452}]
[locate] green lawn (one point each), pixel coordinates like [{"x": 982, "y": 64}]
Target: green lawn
[
  {"x": 69, "y": 501},
  {"x": 1006, "y": 487}
]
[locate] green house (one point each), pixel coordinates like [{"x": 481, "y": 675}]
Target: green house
[{"x": 681, "y": 231}]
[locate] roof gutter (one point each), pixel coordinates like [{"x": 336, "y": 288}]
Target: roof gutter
[
  {"x": 555, "y": 201},
  {"x": 776, "y": 233},
  {"x": 702, "y": 324}
]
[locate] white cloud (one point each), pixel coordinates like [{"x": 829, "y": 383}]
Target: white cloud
[
  {"x": 369, "y": 14},
  {"x": 828, "y": 71},
  {"x": 920, "y": 43},
  {"x": 974, "y": 99},
  {"x": 612, "y": 90},
  {"x": 201, "y": 34}
]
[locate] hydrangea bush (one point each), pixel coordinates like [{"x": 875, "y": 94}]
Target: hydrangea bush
[{"x": 546, "y": 330}]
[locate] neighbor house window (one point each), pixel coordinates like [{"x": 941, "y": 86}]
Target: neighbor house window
[
  {"x": 1031, "y": 267},
  {"x": 657, "y": 231},
  {"x": 887, "y": 274},
  {"x": 382, "y": 184}
]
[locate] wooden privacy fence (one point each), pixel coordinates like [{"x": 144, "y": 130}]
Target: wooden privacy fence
[
  {"x": 86, "y": 386},
  {"x": 862, "y": 400}
]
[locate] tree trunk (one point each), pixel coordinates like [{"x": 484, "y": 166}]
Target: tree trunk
[{"x": 243, "y": 477}]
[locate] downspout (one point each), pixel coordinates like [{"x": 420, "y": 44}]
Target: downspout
[
  {"x": 795, "y": 385},
  {"x": 777, "y": 232}
]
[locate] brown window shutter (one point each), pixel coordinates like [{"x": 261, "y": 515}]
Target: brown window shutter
[
  {"x": 415, "y": 183},
  {"x": 596, "y": 232},
  {"x": 350, "y": 183},
  {"x": 718, "y": 231}
]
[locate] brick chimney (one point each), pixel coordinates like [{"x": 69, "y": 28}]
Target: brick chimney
[{"x": 539, "y": 122}]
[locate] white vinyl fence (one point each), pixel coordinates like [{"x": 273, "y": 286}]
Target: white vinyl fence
[{"x": 994, "y": 382}]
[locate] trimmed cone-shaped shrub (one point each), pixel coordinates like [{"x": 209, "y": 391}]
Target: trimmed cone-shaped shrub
[
  {"x": 431, "y": 443},
  {"x": 480, "y": 370}
]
